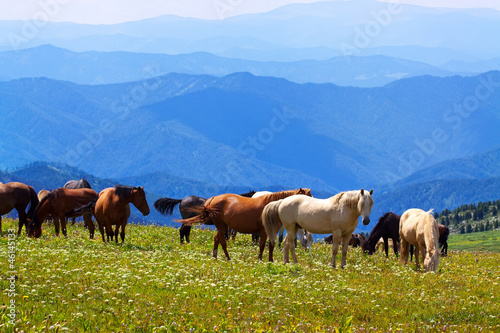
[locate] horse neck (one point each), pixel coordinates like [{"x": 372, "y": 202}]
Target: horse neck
[
  {"x": 43, "y": 210},
  {"x": 278, "y": 195},
  {"x": 375, "y": 235}
]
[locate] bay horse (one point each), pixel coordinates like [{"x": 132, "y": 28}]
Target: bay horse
[
  {"x": 337, "y": 215},
  {"x": 74, "y": 184},
  {"x": 17, "y": 196},
  {"x": 239, "y": 213},
  {"x": 60, "y": 203},
  {"x": 419, "y": 228},
  {"x": 166, "y": 207},
  {"x": 386, "y": 227},
  {"x": 112, "y": 208}
]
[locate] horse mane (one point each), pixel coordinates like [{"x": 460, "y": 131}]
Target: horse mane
[
  {"x": 50, "y": 196},
  {"x": 349, "y": 199},
  {"x": 281, "y": 195},
  {"x": 248, "y": 194},
  {"x": 125, "y": 192}
]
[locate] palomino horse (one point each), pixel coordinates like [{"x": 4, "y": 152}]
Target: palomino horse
[
  {"x": 59, "y": 204},
  {"x": 386, "y": 227},
  {"x": 166, "y": 207},
  {"x": 240, "y": 214},
  {"x": 337, "y": 215},
  {"x": 113, "y": 208},
  {"x": 419, "y": 228},
  {"x": 17, "y": 196}
]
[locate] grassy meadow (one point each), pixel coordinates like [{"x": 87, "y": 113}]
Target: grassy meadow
[{"x": 153, "y": 284}]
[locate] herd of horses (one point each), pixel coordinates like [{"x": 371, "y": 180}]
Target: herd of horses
[{"x": 262, "y": 214}]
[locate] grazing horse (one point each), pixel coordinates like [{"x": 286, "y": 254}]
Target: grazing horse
[
  {"x": 386, "y": 227},
  {"x": 113, "y": 208},
  {"x": 60, "y": 204},
  {"x": 17, "y": 196},
  {"x": 240, "y": 214},
  {"x": 166, "y": 207},
  {"x": 337, "y": 215},
  {"x": 305, "y": 239},
  {"x": 74, "y": 184},
  {"x": 419, "y": 228}
]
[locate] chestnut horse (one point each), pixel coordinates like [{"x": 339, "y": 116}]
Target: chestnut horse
[
  {"x": 337, "y": 215},
  {"x": 419, "y": 228},
  {"x": 113, "y": 208},
  {"x": 166, "y": 207},
  {"x": 60, "y": 203},
  {"x": 17, "y": 196},
  {"x": 240, "y": 214}
]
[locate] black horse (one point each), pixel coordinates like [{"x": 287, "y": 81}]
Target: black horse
[
  {"x": 75, "y": 184},
  {"x": 166, "y": 207},
  {"x": 386, "y": 227}
]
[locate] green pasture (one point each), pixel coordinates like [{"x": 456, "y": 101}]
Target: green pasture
[
  {"x": 153, "y": 284},
  {"x": 476, "y": 241}
]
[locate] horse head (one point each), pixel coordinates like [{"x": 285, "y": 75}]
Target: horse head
[
  {"x": 305, "y": 191},
  {"x": 34, "y": 229},
  {"x": 365, "y": 205},
  {"x": 138, "y": 198}
]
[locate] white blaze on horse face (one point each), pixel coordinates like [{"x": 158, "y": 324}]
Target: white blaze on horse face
[{"x": 366, "y": 208}]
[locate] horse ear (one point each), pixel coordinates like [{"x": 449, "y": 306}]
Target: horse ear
[
  {"x": 371, "y": 192},
  {"x": 362, "y": 192}
]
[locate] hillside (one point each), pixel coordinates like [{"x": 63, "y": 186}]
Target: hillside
[
  {"x": 470, "y": 218},
  {"x": 116, "y": 67},
  {"x": 298, "y": 135}
]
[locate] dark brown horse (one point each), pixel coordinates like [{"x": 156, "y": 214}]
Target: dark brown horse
[
  {"x": 60, "y": 204},
  {"x": 17, "y": 196},
  {"x": 240, "y": 214},
  {"x": 113, "y": 209},
  {"x": 166, "y": 207},
  {"x": 386, "y": 227},
  {"x": 74, "y": 184}
]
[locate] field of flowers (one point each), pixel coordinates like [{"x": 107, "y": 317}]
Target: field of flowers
[{"x": 153, "y": 284}]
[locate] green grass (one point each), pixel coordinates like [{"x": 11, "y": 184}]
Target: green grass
[
  {"x": 476, "y": 241},
  {"x": 152, "y": 284}
]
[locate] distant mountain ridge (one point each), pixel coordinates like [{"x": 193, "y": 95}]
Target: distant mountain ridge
[
  {"x": 117, "y": 67},
  {"x": 246, "y": 130},
  {"x": 331, "y": 25}
]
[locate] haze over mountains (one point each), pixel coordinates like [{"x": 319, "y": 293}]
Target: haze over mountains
[{"x": 302, "y": 96}]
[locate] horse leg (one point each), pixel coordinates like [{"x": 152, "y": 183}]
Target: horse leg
[
  {"x": 280, "y": 237},
  {"x": 117, "y": 230},
  {"x": 87, "y": 218},
  {"x": 417, "y": 259},
  {"x": 122, "y": 233},
  {"x": 222, "y": 240},
  {"x": 386, "y": 246},
  {"x": 263, "y": 238},
  {"x": 101, "y": 229},
  {"x": 291, "y": 239},
  {"x": 186, "y": 234},
  {"x": 404, "y": 251},
  {"x": 22, "y": 221},
  {"x": 56, "y": 224},
  {"x": 63, "y": 225},
  {"x": 335, "y": 247},
  {"x": 395, "y": 246},
  {"x": 345, "y": 247},
  {"x": 216, "y": 245}
]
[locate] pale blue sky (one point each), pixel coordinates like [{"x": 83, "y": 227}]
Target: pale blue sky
[{"x": 114, "y": 11}]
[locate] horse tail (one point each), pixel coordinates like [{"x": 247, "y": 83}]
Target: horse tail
[
  {"x": 33, "y": 202},
  {"x": 271, "y": 220},
  {"x": 88, "y": 208},
  {"x": 166, "y": 205},
  {"x": 205, "y": 215},
  {"x": 431, "y": 234}
]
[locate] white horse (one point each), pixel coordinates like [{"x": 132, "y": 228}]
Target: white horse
[
  {"x": 337, "y": 215},
  {"x": 306, "y": 238},
  {"x": 419, "y": 228}
]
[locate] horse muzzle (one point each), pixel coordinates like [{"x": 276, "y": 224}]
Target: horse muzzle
[{"x": 366, "y": 221}]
